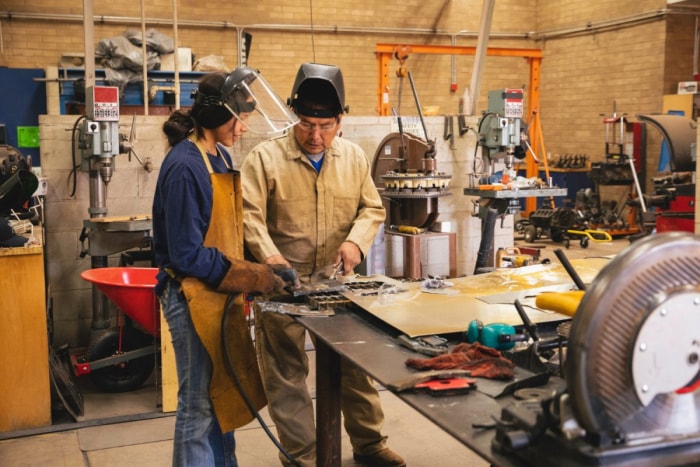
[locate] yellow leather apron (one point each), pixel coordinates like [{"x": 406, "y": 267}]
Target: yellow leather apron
[{"x": 207, "y": 306}]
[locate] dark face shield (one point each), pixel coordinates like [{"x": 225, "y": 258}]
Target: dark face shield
[{"x": 252, "y": 101}]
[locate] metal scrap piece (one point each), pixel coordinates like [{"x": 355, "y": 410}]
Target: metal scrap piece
[{"x": 292, "y": 309}]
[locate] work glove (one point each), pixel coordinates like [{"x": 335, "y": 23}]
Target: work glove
[
  {"x": 245, "y": 276},
  {"x": 288, "y": 274},
  {"x": 481, "y": 361}
]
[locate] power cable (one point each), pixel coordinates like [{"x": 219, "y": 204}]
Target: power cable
[
  {"x": 74, "y": 169},
  {"x": 228, "y": 307}
]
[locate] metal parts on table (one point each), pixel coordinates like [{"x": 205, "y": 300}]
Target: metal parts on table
[
  {"x": 293, "y": 309},
  {"x": 429, "y": 345},
  {"x": 517, "y": 193}
]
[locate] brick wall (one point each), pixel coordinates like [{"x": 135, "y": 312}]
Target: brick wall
[
  {"x": 632, "y": 65},
  {"x": 278, "y": 50}
]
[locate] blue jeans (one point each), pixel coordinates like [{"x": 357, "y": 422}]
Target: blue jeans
[{"x": 198, "y": 438}]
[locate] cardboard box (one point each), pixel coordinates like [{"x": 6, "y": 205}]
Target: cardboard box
[
  {"x": 167, "y": 61},
  {"x": 688, "y": 87}
]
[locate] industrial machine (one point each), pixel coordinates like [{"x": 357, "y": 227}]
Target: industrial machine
[
  {"x": 503, "y": 133},
  {"x": 99, "y": 142},
  {"x": 674, "y": 193},
  {"x": 593, "y": 218},
  {"x": 631, "y": 371},
  {"x": 503, "y": 138},
  {"x": 406, "y": 175}
]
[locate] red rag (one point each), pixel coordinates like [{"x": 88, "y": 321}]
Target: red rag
[{"x": 481, "y": 361}]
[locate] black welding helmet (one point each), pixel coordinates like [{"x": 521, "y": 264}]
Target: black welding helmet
[
  {"x": 252, "y": 101},
  {"x": 321, "y": 85}
]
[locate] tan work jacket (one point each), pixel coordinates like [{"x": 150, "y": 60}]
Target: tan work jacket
[{"x": 292, "y": 210}]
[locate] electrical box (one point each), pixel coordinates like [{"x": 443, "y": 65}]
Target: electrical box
[
  {"x": 102, "y": 103},
  {"x": 506, "y": 103}
]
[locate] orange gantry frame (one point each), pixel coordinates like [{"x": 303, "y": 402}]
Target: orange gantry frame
[{"x": 386, "y": 52}]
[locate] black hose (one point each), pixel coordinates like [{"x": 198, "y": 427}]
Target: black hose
[
  {"x": 488, "y": 226},
  {"x": 236, "y": 380}
]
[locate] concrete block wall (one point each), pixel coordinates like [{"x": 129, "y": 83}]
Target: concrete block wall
[{"x": 130, "y": 192}]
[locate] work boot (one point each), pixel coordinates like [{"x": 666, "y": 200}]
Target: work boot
[{"x": 385, "y": 457}]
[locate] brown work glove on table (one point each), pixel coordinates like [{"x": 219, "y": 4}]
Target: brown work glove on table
[
  {"x": 245, "y": 276},
  {"x": 481, "y": 361}
]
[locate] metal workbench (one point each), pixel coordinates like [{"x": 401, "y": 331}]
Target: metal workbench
[{"x": 371, "y": 345}]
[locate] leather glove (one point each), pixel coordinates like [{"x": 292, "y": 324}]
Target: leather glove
[
  {"x": 288, "y": 274},
  {"x": 245, "y": 276}
]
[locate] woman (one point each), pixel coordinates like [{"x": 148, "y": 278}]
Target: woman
[{"x": 198, "y": 247}]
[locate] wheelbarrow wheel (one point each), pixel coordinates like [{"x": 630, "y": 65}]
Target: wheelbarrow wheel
[{"x": 124, "y": 376}]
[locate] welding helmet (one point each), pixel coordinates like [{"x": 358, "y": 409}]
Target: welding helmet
[
  {"x": 321, "y": 85},
  {"x": 17, "y": 182},
  {"x": 252, "y": 101}
]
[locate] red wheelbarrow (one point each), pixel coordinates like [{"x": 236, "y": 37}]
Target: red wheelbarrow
[{"x": 123, "y": 357}]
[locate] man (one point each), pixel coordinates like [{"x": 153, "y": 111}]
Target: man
[{"x": 309, "y": 201}]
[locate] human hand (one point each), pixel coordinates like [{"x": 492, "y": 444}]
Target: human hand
[{"x": 349, "y": 256}]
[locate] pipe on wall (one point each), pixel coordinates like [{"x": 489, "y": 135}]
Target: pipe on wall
[
  {"x": 542, "y": 35},
  {"x": 591, "y": 27},
  {"x": 276, "y": 27},
  {"x": 144, "y": 57},
  {"x": 176, "y": 57}
]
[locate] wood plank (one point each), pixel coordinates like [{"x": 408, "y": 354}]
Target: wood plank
[{"x": 24, "y": 352}]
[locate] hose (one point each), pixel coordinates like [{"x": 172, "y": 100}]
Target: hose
[
  {"x": 488, "y": 225},
  {"x": 236, "y": 380}
]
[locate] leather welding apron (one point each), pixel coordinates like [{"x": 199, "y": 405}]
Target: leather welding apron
[{"x": 207, "y": 306}]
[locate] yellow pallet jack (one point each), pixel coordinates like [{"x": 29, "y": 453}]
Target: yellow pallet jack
[{"x": 586, "y": 236}]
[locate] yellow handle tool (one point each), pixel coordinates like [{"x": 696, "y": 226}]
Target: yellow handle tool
[
  {"x": 562, "y": 302},
  {"x": 408, "y": 229}
]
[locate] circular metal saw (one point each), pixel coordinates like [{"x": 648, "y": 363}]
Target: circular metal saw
[{"x": 633, "y": 358}]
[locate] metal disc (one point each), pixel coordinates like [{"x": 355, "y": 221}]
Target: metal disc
[
  {"x": 529, "y": 394},
  {"x": 606, "y": 326},
  {"x": 664, "y": 365}
]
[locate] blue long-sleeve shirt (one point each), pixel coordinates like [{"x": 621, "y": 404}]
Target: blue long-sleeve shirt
[{"x": 181, "y": 215}]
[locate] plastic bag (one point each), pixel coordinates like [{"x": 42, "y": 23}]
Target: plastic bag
[
  {"x": 211, "y": 63},
  {"x": 155, "y": 41}
]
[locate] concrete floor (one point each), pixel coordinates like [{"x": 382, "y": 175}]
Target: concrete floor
[{"x": 130, "y": 430}]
